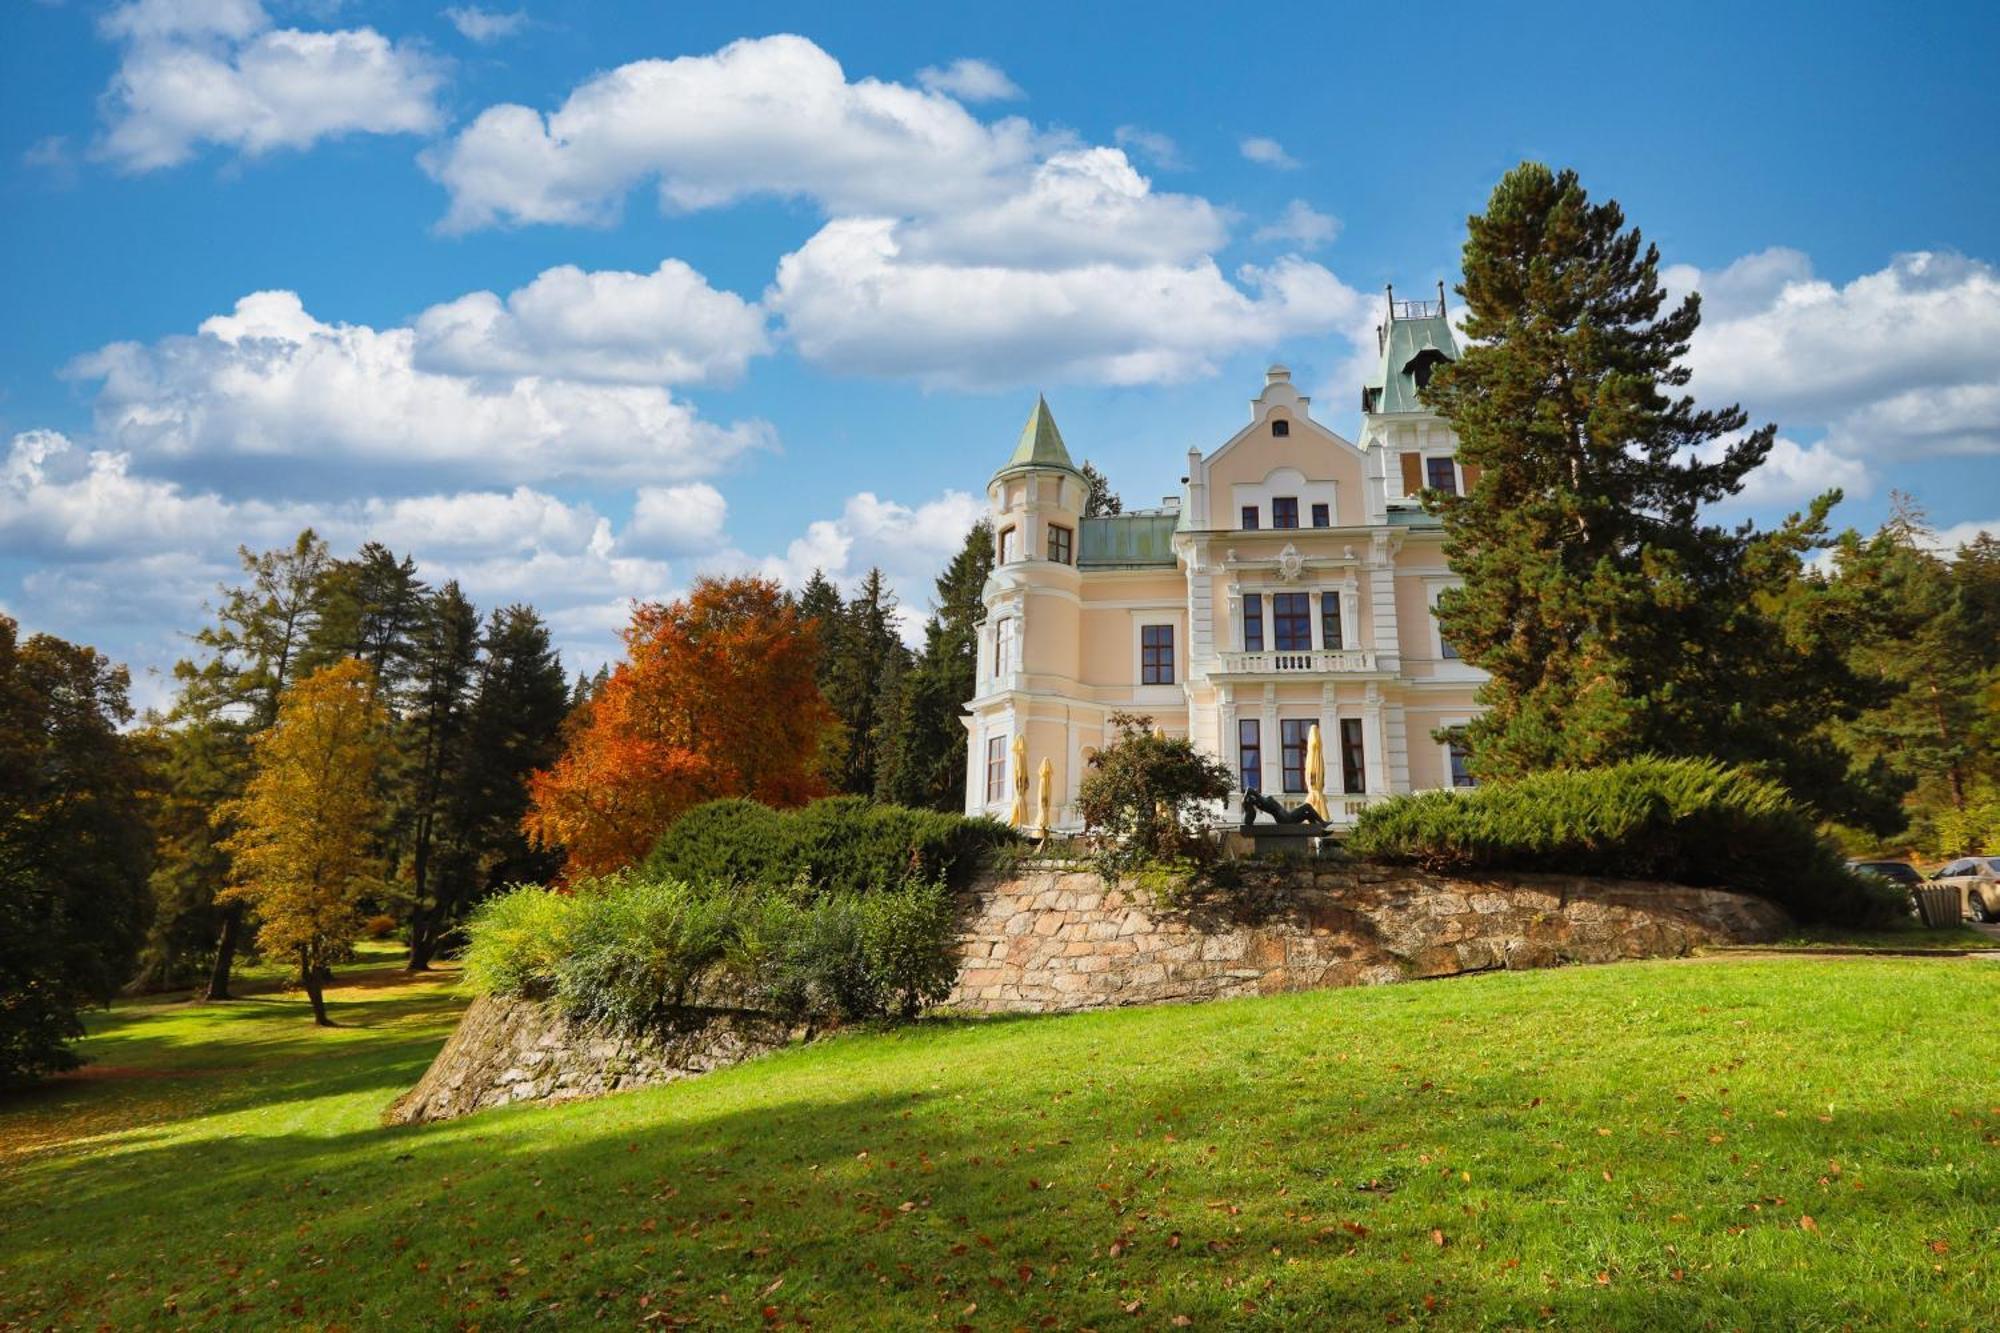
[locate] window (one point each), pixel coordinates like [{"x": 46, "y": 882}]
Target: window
[
  {"x": 1004, "y": 631},
  {"x": 1285, "y": 511},
  {"x": 1449, "y": 653},
  {"x": 1329, "y": 620},
  {"x": 1293, "y": 733},
  {"x": 1441, "y": 475},
  {"x": 996, "y": 769},
  {"x": 1322, "y": 516},
  {"x": 1353, "y": 768},
  {"x": 1249, "y": 518},
  {"x": 1291, "y": 619},
  {"x": 1280, "y": 427},
  {"x": 1461, "y": 775},
  {"x": 1010, "y": 545},
  {"x": 1060, "y": 544},
  {"x": 1253, "y": 622},
  {"x": 1249, "y": 755},
  {"x": 1156, "y": 654}
]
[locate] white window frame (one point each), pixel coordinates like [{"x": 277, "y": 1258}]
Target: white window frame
[{"x": 1444, "y": 754}]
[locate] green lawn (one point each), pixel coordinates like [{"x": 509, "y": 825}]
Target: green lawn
[{"x": 1797, "y": 1142}]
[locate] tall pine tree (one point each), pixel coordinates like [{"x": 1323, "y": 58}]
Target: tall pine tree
[
  {"x": 867, "y": 650},
  {"x": 922, "y": 762},
  {"x": 1612, "y": 619}
]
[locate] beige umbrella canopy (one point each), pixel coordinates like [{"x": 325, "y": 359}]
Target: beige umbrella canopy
[
  {"x": 1315, "y": 772},
  {"x": 1018, "y": 815},
  {"x": 1045, "y": 784}
]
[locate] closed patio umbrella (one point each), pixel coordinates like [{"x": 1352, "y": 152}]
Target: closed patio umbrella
[
  {"x": 1315, "y": 772},
  {"x": 1018, "y": 815},
  {"x": 1045, "y": 783}
]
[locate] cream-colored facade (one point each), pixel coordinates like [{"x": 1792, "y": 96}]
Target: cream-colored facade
[{"x": 1290, "y": 583}]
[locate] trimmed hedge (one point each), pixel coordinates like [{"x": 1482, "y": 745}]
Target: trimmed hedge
[
  {"x": 844, "y": 844},
  {"x": 1682, "y": 820}
]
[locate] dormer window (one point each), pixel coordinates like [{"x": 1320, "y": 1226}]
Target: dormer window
[
  {"x": 1280, "y": 427},
  {"x": 1424, "y": 364}
]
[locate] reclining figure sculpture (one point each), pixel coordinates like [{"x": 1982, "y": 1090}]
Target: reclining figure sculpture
[{"x": 1254, "y": 801}]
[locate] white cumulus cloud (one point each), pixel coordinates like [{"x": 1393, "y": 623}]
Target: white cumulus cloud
[
  {"x": 764, "y": 116},
  {"x": 197, "y": 72},
  {"x": 1902, "y": 361},
  {"x": 664, "y": 327},
  {"x": 854, "y": 302},
  {"x": 269, "y": 380}
]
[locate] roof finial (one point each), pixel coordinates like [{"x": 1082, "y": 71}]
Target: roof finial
[
  {"x": 1390, "y": 288},
  {"x": 1440, "y": 296}
]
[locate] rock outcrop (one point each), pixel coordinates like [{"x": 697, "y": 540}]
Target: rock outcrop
[
  {"x": 1061, "y": 940},
  {"x": 520, "y": 1050}
]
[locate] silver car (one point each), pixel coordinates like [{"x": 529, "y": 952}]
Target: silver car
[{"x": 1977, "y": 878}]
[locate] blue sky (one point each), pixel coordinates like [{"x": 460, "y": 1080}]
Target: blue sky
[{"x": 397, "y": 270}]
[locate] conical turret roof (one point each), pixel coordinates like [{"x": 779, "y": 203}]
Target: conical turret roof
[{"x": 1041, "y": 444}]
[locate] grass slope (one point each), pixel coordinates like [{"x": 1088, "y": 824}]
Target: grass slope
[{"x": 1749, "y": 1143}]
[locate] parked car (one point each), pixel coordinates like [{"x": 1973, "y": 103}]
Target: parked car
[
  {"x": 1978, "y": 879},
  {"x": 1900, "y": 873}
]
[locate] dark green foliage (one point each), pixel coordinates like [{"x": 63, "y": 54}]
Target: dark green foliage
[
  {"x": 74, "y": 846},
  {"x": 631, "y": 949},
  {"x": 373, "y": 607},
  {"x": 922, "y": 760},
  {"x": 1099, "y": 498},
  {"x": 865, "y": 654},
  {"x": 840, "y": 845},
  {"x": 1145, "y": 792},
  {"x": 1682, "y": 820},
  {"x": 1612, "y": 620}
]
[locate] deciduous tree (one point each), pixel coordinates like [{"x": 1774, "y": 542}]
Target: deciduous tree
[
  {"x": 716, "y": 697},
  {"x": 74, "y": 846},
  {"x": 303, "y": 853}
]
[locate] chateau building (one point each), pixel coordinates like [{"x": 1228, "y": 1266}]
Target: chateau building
[{"x": 1292, "y": 582}]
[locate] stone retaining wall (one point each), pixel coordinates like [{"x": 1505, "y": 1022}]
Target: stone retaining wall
[
  {"x": 515, "y": 1050},
  {"x": 1059, "y": 939}
]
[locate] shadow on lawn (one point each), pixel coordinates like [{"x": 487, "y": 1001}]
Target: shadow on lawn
[{"x": 904, "y": 1205}]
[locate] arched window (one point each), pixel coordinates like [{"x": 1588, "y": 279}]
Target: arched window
[{"x": 1280, "y": 427}]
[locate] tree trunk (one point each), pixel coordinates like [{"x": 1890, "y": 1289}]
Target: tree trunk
[
  {"x": 309, "y": 977},
  {"x": 423, "y": 942},
  {"x": 225, "y": 953}
]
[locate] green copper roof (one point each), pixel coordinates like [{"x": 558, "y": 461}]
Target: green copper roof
[
  {"x": 1041, "y": 444},
  {"x": 1405, "y": 340}
]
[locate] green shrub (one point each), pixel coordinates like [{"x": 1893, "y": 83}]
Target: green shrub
[
  {"x": 1682, "y": 820},
  {"x": 631, "y": 948},
  {"x": 844, "y": 844},
  {"x": 514, "y": 941},
  {"x": 637, "y": 946},
  {"x": 909, "y": 935}
]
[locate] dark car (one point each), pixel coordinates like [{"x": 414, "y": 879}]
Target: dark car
[{"x": 1900, "y": 873}]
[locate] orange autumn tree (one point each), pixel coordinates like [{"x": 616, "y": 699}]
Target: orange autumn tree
[{"x": 716, "y": 698}]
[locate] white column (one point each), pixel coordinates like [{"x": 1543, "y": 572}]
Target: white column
[
  {"x": 1270, "y": 745},
  {"x": 1230, "y": 744},
  {"x": 1374, "y": 741}
]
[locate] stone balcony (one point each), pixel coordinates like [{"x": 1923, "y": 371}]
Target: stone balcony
[{"x": 1315, "y": 662}]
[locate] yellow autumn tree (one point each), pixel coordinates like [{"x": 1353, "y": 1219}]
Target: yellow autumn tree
[{"x": 302, "y": 856}]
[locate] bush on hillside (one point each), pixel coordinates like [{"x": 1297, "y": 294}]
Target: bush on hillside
[
  {"x": 629, "y": 949},
  {"x": 844, "y": 844},
  {"x": 1683, "y": 820}
]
